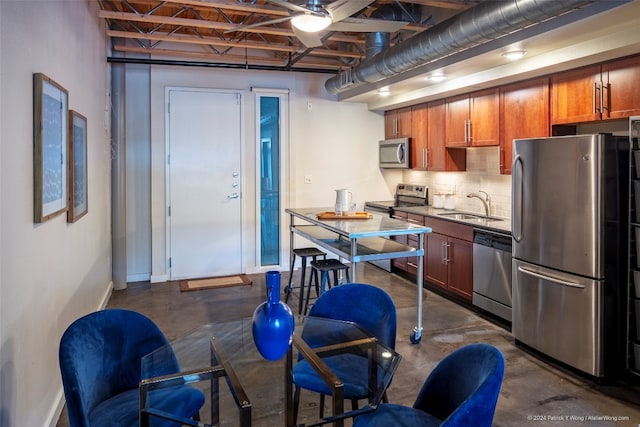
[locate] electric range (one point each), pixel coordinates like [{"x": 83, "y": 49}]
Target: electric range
[{"x": 406, "y": 195}]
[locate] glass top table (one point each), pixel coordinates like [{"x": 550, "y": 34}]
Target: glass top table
[{"x": 243, "y": 389}]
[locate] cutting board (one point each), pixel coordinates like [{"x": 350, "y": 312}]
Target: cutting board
[{"x": 333, "y": 216}]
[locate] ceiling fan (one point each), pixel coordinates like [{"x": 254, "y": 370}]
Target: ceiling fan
[{"x": 309, "y": 19}]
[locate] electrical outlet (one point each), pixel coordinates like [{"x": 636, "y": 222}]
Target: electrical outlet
[
  {"x": 309, "y": 106},
  {"x": 308, "y": 179}
]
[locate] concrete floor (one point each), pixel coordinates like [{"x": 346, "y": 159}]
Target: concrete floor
[{"x": 534, "y": 392}]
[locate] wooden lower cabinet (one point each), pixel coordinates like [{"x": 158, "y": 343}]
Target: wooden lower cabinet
[
  {"x": 448, "y": 264},
  {"x": 435, "y": 266},
  {"x": 400, "y": 263},
  {"x": 448, "y": 257},
  {"x": 460, "y": 267}
]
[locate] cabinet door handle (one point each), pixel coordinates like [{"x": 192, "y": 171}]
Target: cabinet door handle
[
  {"x": 445, "y": 253},
  {"x": 425, "y": 157},
  {"x": 466, "y": 137},
  {"x": 470, "y": 131},
  {"x": 604, "y": 98},
  {"x": 595, "y": 89}
]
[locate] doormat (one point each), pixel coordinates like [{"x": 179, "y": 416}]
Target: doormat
[{"x": 214, "y": 282}]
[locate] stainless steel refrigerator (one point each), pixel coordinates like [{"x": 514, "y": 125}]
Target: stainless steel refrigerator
[{"x": 570, "y": 231}]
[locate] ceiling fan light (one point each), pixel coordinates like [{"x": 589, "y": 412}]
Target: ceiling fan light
[{"x": 310, "y": 23}]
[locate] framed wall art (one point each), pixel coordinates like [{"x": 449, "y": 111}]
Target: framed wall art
[
  {"x": 50, "y": 125},
  {"x": 77, "y": 160}
]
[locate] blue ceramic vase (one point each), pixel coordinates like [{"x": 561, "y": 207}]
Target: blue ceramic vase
[{"x": 273, "y": 321}]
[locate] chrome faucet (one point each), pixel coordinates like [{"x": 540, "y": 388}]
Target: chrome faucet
[{"x": 486, "y": 201}]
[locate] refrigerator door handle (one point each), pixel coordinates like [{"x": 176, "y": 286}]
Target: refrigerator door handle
[
  {"x": 516, "y": 227},
  {"x": 549, "y": 278}
]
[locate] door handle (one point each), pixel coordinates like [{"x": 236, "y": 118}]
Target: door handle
[
  {"x": 233, "y": 196},
  {"x": 516, "y": 201},
  {"x": 550, "y": 278}
]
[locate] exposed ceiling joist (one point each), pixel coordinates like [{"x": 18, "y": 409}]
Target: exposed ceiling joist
[{"x": 219, "y": 30}]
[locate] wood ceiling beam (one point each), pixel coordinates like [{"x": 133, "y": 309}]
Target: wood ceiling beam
[
  {"x": 453, "y": 5},
  {"x": 178, "y": 38},
  {"x": 211, "y": 25},
  {"x": 223, "y": 5}
]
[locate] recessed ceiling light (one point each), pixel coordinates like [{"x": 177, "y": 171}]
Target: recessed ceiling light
[
  {"x": 384, "y": 91},
  {"x": 310, "y": 23},
  {"x": 514, "y": 54},
  {"x": 437, "y": 77}
]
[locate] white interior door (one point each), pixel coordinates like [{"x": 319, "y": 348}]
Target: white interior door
[{"x": 204, "y": 183}]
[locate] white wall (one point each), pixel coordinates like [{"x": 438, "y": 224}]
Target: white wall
[
  {"x": 334, "y": 142},
  {"x": 54, "y": 272}
]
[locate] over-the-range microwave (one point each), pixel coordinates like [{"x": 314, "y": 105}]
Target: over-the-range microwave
[{"x": 395, "y": 153}]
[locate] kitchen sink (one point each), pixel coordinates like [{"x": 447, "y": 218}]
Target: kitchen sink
[{"x": 467, "y": 216}]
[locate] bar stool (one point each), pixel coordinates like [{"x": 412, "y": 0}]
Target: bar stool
[
  {"x": 325, "y": 266},
  {"x": 303, "y": 253}
]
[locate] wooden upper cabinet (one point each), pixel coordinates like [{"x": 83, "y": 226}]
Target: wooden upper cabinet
[
  {"x": 485, "y": 117},
  {"x": 622, "y": 79},
  {"x": 428, "y": 143},
  {"x": 598, "y": 92},
  {"x": 457, "y": 121},
  {"x": 440, "y": 158},
  {"x": 575, "y": 96},
  {"x": 419, "y": 139},
  {"x": 524, "y": 111},
  {"x": 397, "y": 123},
  {"x": 472, "y": 120}
]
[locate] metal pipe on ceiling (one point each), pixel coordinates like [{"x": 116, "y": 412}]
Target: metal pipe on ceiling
[{"x": 485, "y": 22}]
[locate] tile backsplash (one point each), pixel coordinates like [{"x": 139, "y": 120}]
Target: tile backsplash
[{"x": 483, "y": 173}]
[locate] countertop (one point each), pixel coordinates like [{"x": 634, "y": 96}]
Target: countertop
[
  {"x": 377, "y": 226},
  {"x": 501, "y": 225}
]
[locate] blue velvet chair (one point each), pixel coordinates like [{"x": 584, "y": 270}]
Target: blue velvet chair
[
  {"x": 100, "y": 365},
  {"x": 461, "y": 391},
  {"x": 364, "y": 304}
]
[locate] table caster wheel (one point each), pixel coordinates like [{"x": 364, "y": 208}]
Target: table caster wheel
[{"x": 415, "y": 337}]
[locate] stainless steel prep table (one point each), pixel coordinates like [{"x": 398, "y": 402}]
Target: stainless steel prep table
[{"x": 358, "y": 240}]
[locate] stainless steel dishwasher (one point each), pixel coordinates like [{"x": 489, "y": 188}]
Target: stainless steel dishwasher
[{"x": 492, "y": 272}]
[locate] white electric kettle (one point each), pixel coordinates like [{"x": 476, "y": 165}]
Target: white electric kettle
[{"x": 343, "y": 201}]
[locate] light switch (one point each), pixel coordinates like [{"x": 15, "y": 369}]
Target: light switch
[{"x": 308, "y": 179}]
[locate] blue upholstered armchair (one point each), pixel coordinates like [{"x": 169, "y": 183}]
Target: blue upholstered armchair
[
  {"x": 462, "y": 390},
  {"x": 100, "y": 365},
  {"x": 369, "y": 307}
]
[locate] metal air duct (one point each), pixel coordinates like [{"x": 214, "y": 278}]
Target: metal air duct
[
  {"x": 485, "y": 22},
  {"x": 374, "y": 43}
]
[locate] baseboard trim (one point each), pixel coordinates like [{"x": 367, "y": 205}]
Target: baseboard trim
[
  {"x": 106, "y": 296},
  {"x": 56, "y": 410},
  {"x": 142, "y": 277},
  {"x": 158, "y": 278}
]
